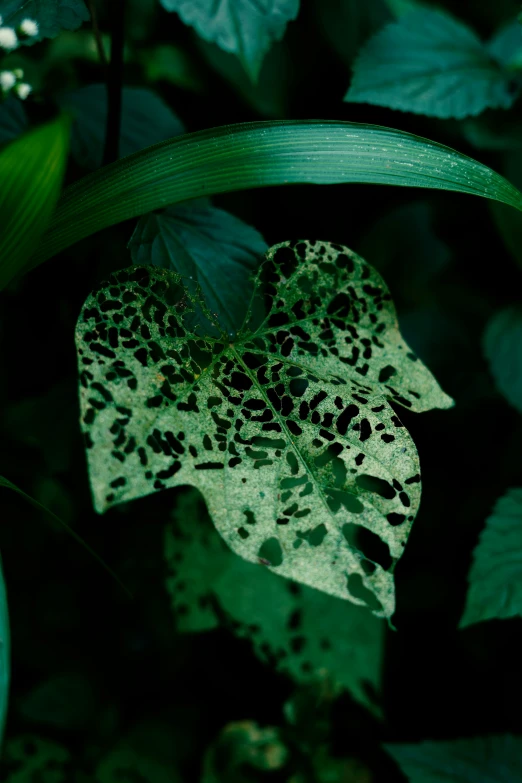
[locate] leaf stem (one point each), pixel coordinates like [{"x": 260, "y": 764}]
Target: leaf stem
[
  {"x": 115, "y": 83},
  {"x": 96, "y": 32}
]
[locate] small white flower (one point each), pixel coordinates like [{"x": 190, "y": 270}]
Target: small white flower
[
  {"x": 7, "y": 80},
  {"x": 23, "y": 90},
  {"x": 28, "y": 27},
  {"x": 18, "y": 73},
  {"x": 8, "y": 39}
]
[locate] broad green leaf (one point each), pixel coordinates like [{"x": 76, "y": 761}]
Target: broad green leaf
[
  {"x": 13, "y": 119},
  {"x": 503, "y": 350},
  {"x": 495, "y": 577},
  {"x": 64, "y": 701},
  {"x": 286, "y": 430},
  {"x": 262, "y": 154},
  {"x": 208, "y": 246},
  {"x": 28, "y": 757},
  {"x": 301, "y": 631},
  {"x": 51, "y": 15},
  {"x": 429, "y": 63},
  {"x": 246, "y": 28},
  {"x": 492, "y": 759},
  {"x": 146, "y": 120},
  {"x": 31, "y": 173}
]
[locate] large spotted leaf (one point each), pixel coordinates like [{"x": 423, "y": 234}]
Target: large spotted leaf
[{"x": 287, "y": 431}]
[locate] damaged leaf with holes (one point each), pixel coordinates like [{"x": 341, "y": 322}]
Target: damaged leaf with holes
[{"x": 288, "y": 431}]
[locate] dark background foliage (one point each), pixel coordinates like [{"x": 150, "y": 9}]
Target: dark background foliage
[{"x": 449, "y": 271}]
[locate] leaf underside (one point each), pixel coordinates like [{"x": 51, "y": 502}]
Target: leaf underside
[{"x": 287, "y": 431}]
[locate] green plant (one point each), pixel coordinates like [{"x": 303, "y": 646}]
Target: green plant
[{"x": 273, "y": 381}]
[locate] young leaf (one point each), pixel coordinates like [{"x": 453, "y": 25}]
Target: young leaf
[
  {"x": 209, "y": 248},
  {"x": 288, "y": 426},
  {"x": 31, "y": 757},
  {"x": 493, "y": 759},
  {"x": 429, "y": 63},
  {"x": 247, "y": 28},
  {"x": 495, "y": 578},
  {"x": 145, "y": 120},
  {"x": 31, "y": 173},
  {"x": 261, "y": 154},
  {"x": 50, "y": 15},
  {"x": 301, "y": 631},
  {"x": 503, "y": 350}
]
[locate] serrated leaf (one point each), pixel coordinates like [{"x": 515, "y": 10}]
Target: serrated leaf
[
  {"x": 429, "y": 63},
  {"x": 503, "y": 350},
  {"x": 246, "y": 28},
  {"x": 288, "y": 426},
  {"x": 301, "y": 631},
  {"x": 146, "y": 120},
  {"x": 492, "y": 759},
  {"x": 208, "y": 247},
  {"x": 51, "y": 15},
  {"x": 495, "y": 577},
  {"x": 31, "y": 173}
]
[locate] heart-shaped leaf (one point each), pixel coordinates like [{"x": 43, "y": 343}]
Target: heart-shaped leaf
[{"x": 287, "y": 431}]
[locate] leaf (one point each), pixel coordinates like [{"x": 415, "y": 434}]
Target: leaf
[
  {"x": 208, "y": 246},
  {"x": 29, "y": 757},
  {"x": 51, "y": 15},
  {"x": 347, "y": 24},
  {"x": 173, "y": 64},
  {"x": 243, "y": 749},
  {"x": 503, "y": 350},
  {"x": 286, "y": 431},
  {"x": 495, "y": 578},
  {"x": 64, "y": 701},
  {"x": 300, "y": 631},
  {"x": 13, "y": 119},
  {"x": 31, "y": 173},
  {"x": 506, "y": 45},
  {"x": 262, "y": 154},
  {"x": 146, "y": 120},
  {"x": 429, "y": 63},
  {"x": 246, "y": 28},
  {"x": 493, "y": 759}
]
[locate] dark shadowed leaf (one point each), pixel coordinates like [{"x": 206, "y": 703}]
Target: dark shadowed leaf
[
  {"x": 13, "y": 119},
  {"x": 494, "y": 759},
  {"x": 246, "y": 28},
  {"x": 208, "y": 246},
  {"x": 289, "y": 425},
  {"x": 495, "y": 577},
  {"x": 430, "y": 63},
  {"x": 51, "y": 15},
  {"x": 146, "y": 120},
  {"x": 503, "y": 350},
  {"x": 319, "y": 634}
]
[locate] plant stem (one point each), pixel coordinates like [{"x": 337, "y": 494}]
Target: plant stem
[
  {"x": 96, "y": 32},
  {"x": 115, "y": 82}
]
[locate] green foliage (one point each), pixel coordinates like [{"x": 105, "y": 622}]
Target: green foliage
[
  {"x": 245, "y": 28},
  {"x": 51, "y": 15},
  {"x": 258, "y": 155},
  {"x": 502, "y": 348},
  {"x": 429, "y": 63},
  {"x": 31, "y": 172},
  {"x": 300, "y": 631},
  {"x": 493, "y": 759},
  {"x": 495, "y": 578},
  {"x": 295, "y": 407},
  {"x": 145, "y": 120},
  {"x": 13, "y": 120},
  {"x": 206, "y": 246},
  {"x": 242, "y": 751},
  {"x": 28, "y": 757}
]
